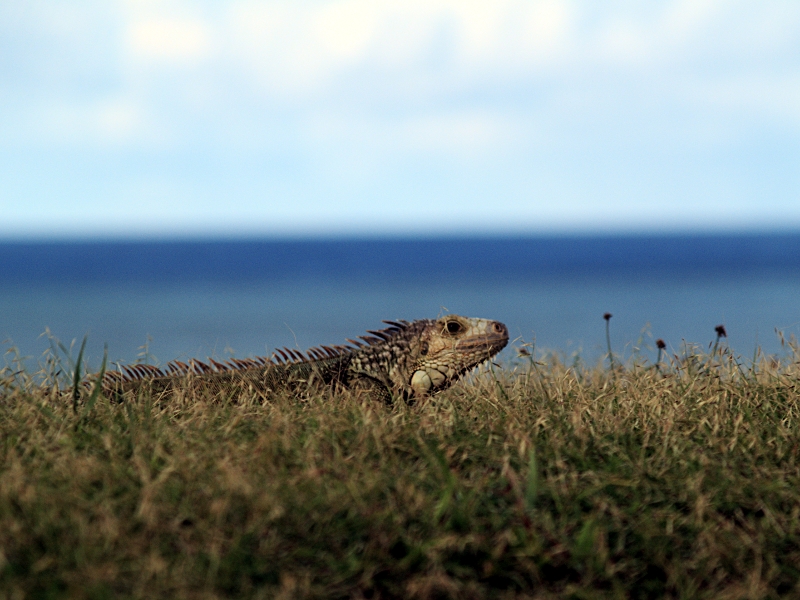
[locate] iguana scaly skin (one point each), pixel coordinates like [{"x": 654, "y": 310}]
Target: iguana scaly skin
[{"x": 406, "y": 360}]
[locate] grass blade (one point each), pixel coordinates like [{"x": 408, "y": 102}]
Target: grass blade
[
  {"x": 98, "y": 384},
  {"x": 76, "y": 378}
]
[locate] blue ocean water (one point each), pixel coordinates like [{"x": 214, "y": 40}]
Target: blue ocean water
[{"x": 182, "y": 299}]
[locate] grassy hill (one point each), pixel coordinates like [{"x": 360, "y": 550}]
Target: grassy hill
[{"x": 537, "y": 480}]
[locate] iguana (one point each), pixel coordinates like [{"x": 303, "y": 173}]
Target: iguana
[{"x": 405, "y": 360}]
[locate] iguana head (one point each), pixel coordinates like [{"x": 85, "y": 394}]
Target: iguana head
[
  {"x": 449, "y": 347},
  {"x": 426, "y": 356}
]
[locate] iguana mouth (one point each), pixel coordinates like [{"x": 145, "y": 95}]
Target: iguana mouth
[{"x": 493, "y": 340}]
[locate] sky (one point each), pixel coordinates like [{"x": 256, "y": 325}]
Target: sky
[{"x": 166, "y": 118}]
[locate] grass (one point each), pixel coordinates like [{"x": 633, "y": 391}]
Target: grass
[{"x": 538, "y": 480}]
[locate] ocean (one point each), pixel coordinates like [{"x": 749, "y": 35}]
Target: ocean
[{"x": 200, "y": 298}]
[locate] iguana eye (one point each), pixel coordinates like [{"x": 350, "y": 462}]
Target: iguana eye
[{"x": 453, "y": 327}]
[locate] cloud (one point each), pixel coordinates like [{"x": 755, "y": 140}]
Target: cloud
[
  {"x": 572, "y": 111},
  {"x": 169, "y": 40}
]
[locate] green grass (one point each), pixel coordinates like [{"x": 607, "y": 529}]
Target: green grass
[{"x": 538, "y": 480}]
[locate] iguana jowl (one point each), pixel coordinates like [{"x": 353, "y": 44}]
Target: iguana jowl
[{"x": 404, "y": 360}]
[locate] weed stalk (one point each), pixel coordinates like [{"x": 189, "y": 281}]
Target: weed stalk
[{"x": 607, "y": 316}]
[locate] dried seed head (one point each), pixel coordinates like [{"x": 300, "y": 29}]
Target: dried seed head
[
  {"x": 720, "y": 329},
  {"x": 660, "y": 344},
  {"x": 607, "y": 316}
]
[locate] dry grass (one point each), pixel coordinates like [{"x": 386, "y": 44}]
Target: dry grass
[{"x": 539, "y": 481}]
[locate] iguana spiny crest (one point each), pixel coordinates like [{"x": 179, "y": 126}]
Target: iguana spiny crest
[{"x": 406, "y": 359}]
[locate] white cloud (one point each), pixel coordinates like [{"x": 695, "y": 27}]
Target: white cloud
[
  {"x": 169, "y": 40},
  {"x": 380, "y": 102},
  {"x": 306, "y": 49},
  {"x": 344, "y": 30}
]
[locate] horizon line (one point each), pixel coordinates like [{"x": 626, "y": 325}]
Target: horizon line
[{"x": 249, "y": 237}]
